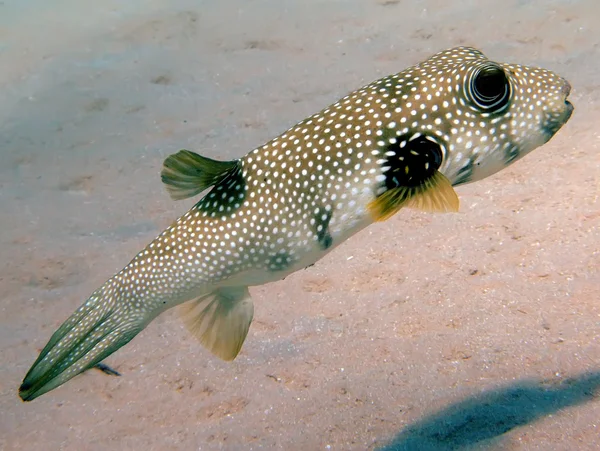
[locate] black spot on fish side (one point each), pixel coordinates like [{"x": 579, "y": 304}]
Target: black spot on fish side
[
  {"x": 511, "y": 153},
  {"x": 464, "y": 174},
  {"x": 280, "y": 261},
  {"x": 322, "y": 218},
  {"x": 411, "y": 161}
]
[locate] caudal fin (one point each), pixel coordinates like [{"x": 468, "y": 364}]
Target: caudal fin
[{"x": 97, "y": 329}]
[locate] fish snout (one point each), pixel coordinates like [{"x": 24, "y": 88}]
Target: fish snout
[
  {"x": 559, "y": 114},
  {"x": 568, "y": 108},
  {"x": 566, "y": 88},
  {"x": 566, "y": 91}
]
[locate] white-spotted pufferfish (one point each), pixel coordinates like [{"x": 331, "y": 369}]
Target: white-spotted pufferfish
[{"x": 401, "y": 141}]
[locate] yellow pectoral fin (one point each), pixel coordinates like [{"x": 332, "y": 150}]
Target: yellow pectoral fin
[
  {"x": 438, "y": 195},
  {"x": 220, "y": 320},
  {"x": 435, "y": 195}
]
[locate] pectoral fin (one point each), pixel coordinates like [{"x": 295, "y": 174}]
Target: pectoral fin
[
  {"x": 220, "y": 320},
  {"x": 435, "y": 195},
  {"x": 187, "y": 174},
  {"x": 411, "y": 178}
]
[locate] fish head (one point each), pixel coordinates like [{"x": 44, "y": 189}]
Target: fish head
[{"x": 484, "y": 115}]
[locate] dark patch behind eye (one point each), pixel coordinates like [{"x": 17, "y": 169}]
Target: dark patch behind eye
[
  {"x": 322, "y": 218},
  {"x": 413, "y": 161}
]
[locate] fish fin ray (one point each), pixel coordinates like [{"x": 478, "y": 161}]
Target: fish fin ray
[
  {"x": 220, "y": 320},
  {"x": 433, "y": 195},
  {"x": 186, "y": 174}
]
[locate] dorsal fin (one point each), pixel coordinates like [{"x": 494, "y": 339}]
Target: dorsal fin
[{"x": 187, "y": 174}]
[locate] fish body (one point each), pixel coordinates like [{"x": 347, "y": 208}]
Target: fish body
[{"x": 401, "y": 141}]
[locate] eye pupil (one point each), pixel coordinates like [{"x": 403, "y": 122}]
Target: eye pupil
[
  {"x": 490, "y": 83},
  {"x": 490, "y": 88}
]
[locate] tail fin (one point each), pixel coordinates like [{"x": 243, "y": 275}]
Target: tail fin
[{"x": 97, "y": 329}]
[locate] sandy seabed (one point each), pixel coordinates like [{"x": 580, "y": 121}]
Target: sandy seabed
[{"x": 472, "y": 331}]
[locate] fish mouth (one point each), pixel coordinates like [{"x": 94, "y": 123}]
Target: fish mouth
[
  {"x": 566, "y": 88},
  {"x": 569, "y": 110},
  {"x": 569, "y": 106},
  {"x": 566, "y": 91},
  {"x": 555, "y": 120}
]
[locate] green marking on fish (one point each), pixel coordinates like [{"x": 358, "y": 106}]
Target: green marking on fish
[{"x": 402, "y": 141}]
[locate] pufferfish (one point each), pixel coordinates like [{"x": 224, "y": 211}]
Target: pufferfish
[{"x": 404, "y": 140}]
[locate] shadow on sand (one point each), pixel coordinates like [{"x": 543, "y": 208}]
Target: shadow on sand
[{"x": 479, "y": 421}]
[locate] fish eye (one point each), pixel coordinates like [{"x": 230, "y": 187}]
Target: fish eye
[{"x": 490, "y": 88}]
